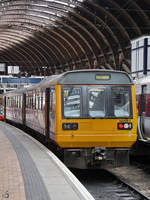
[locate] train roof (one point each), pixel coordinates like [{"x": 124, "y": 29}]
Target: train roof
[{"x": 86, "y": 76}]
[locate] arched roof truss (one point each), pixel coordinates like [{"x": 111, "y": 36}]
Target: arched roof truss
[{"x": 59, "y": 35}]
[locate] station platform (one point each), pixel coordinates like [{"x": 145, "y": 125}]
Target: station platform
[{"x": 29, "y": 171}]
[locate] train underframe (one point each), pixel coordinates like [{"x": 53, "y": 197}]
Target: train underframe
[{"x": 98, "y": 157}]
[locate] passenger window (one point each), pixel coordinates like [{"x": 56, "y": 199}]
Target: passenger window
[
  {"x": 52, "y": 100},
  {"x": 71, "y": 102}
]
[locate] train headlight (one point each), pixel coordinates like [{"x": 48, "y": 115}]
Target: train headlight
[
  {"x": 124, "y": 125},
  {"x": 70, "y": 126}
]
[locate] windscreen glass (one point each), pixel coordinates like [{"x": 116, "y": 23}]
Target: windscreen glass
[
  {"x": 71, "y": 101},
  {"x": 87, "y": 102},
  {"x": 121, "y": 101},
  {"x": 96, "y": 102}
]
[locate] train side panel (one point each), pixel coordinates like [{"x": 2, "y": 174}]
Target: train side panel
[
  {"x": 13, "y": 109},
  {"x": 53, "y": 112},
  {"x": 143, "y": 105},
  {"x": 35, "y": 110}
]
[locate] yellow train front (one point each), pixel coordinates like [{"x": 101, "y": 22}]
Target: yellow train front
[{"x": 96, "y": 119}]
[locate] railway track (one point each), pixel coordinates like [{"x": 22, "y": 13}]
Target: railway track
[
  {"x": 109, "y": 185},
  {"x": 136, "y": 177}
]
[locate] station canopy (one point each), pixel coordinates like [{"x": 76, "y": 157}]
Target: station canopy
[{"x": 45, "y": 37}]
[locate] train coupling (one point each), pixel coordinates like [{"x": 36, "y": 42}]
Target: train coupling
[{"x": 99, "y": 153}]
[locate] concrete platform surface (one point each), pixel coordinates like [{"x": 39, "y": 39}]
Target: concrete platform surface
[{"x": 29, "y": 171}]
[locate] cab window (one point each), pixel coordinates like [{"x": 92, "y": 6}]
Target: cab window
[
  {"x": 121, "y": 101},
  {"x": 71, "y": 102}
]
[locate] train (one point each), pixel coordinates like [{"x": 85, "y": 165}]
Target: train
[
  {"x": 89, "y": 115},
  {"x": 140, "y": 71},
  {"x": 142, "y": 87}
]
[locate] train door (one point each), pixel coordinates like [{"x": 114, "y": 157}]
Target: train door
[
  {"x": 47, "y": 107},
  {"x": 52, "y": 110},
  {"x": 142, "y": 116},
  {"x": 50, "y": 103},
  {"x": 4, "y": 107},
  {"x": 24, "y": 109}
]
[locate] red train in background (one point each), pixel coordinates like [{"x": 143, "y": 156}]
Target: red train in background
[
  {"x": 140, "y": 70},
  {"x": 143, "y": 105},
  {"x": 1, "y": 110}
]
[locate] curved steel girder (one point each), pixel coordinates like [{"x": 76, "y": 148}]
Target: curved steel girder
[
  {"x": 40, "y": 9},
  {"x": 101, "y": 35},
  {"x": 15, "y": 54},
  {"x": 79, "y": 36},
  {"x": 58, "y": 53},
  {"x": 32, "y": 13},
  {"x": 128, "y": 19},
  {"x": 31, "y": 20},
  {"x": 119, "y": 26},
  {"x": 17, "y": 61},
  {"x": 66, "y": 6},
  {"x": 47, "y": 47},
  {"x": 40, "y": 1},
  {"x": 64, "y": 48},
  {"x": 84, "y": 29},
  {"x": 91, "y": 25},
  {"x": 85, "y": 42},
  {"x": 64, "y": 40},
  {"x": 58, "y": 3},
  {"x": 39, "y": 19},
  {"x": 125, "y": 14},
  {"x": 36, "y": 46},
  {"x": 123, "y": 32},
  {"x": 140, "y": 12},
  {"x": 6, "y": 59},
  {"x": 56, "y": 6},
  {"x": 55, "y": 47},
  {"x": 68, "y": 35},
  {"x": 76, "y": 42},
  {"x": 60, "y": 45},
  {"x": 87, "y": 32},
  {"x": 25, "y": 49},
  {"x": 21, "y": 51},
  {"x": 74, "y": 31},
  {"x": 109, "y": 35},
  {"x": 24, "y": 8},
  {"x": 69, "y": 19},
  {"x": 94, "y": 45},
  {"x": 99, "y": 20}
]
